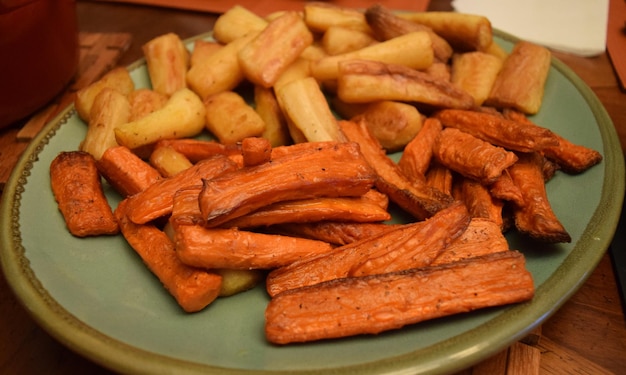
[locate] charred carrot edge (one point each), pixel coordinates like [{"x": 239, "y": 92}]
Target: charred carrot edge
[
  {"x": 536, "y": 217},
  {"x": 572, "y": 158},
  {"x": 496, "y": 129},
  {"x": 415, "y": 197},
  {"x": 238, "y": 249},
  {"x": 76, "y": 186},
  {"x": 193, "y": 288},
  {"x": 373, "y": 304},
  {"x": 125, "y": 171}
]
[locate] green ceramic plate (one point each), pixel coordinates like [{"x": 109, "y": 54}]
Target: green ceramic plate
[{"x": 95, "y": 295}]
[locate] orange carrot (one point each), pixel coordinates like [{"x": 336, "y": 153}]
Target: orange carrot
[
  {"x": 237, "y": 249},
  {"x": 414, "y": 196},
  {"x": 377, "y": 303},
  {"x": 328, "y": 171},
  {"x": 481, "y": 237},
  {"x": 193, "y": 288},
  {"x": 471, "y": 156},
  {"x": 536, "y": 217},
  {"x": 405, "y": 246},
  {"x": 355, "y": 209},
  {"x": 417, "y": 154},
  {"x": 125, "y": 171},
  {"x": 333, "y": 232},
  {"x": 76, "y": 186},
  {"x": 498, "y": 130},
  {"x": 157, "y": 200}
]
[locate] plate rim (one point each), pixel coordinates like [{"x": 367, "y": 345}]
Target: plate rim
[{"x": 114, "y": 354}]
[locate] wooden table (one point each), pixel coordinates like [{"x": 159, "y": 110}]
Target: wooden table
[{"x": 588, "y": 332}]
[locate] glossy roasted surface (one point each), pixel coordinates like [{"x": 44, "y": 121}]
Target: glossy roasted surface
[{"x": 587, "y": 332}]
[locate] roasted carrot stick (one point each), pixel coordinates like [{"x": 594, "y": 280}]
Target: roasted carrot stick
[
  {"x": 255, "y": 151},
  {"x": 334, "y": 171},
  {"x": 426, "y": 244},
  {"x": 481, "y": 237},
  {"x": 125, "y": 171},
  {"x": 478, "y": 200},
  {"x": 157, "y": 200},
  {"x": 373, "y": 304},
  {"x": 405, "y": 246},
  {"x": 498, "y": 130},
  {"x": 536, "y": 217},
  {"x": 193, "y": 288},
  {"x": 238, "y": 249},
  {"x": 504, "y": 188},
  {"x": 572, "y": 158},
  {"x": 336, "y": 233},
  {"x": 414, "y": 196},
  {"x": 76, "y": 186},
  {"x": 440, "y": 177},
  {"x": 354, "y": 209},
  {"x": 417, "y": 154},
  {"x": 471, "y": 156},
  {"x": 196, "y": 150},
  {"x": 185, "y": 206}
]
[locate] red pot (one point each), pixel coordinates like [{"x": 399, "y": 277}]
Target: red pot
[{"x": 38, "y": 54}]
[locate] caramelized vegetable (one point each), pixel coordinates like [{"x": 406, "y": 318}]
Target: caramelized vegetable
[
  {"x": 237, "y": 249},
  {"x": 405, "y": 246},
  {"x": 126, "y": 172},
  {"x": 192, "y": 288},
  {"x": 75, "y": 183},
  {"x": 414, "y": 196},
  {"x": 330, "y": 170},
  {"x": 535, "y": 217},
  {"x": 377, "y": 303}
]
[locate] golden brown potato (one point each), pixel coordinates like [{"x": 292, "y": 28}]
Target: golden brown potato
[
  {"x": 168, "y": 161},
  {"x": 182, "y": 116},
  {"x": 235, "y": 23},
  {"x": 276, "y": 129},
  {"x": 394, "y": 124},
  {"x": 305, "y": 106},
  {"x": 117, "y": 78},
  {"x": 521, "y": 81},
  {"x": 231, "y": 119},
  {"x": 167, "y": 60},
  {"x": 475, "y": 72},
  {"x": 464, "y": 32},
  {"x": 319, "y": 16},
  {"x": 145, "y": 101},
  {"x": 362, "y": 81},
  {"x": 202, "y": 49},
  {"x": 413, "y": 50},
  {"x": 269, "y": 54},
  {"x": 109, "y": 110},
  {"x": 238, "y": 281},
  {"x": 220, "y": 71},
  {"x": 338, "y": 40}
]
